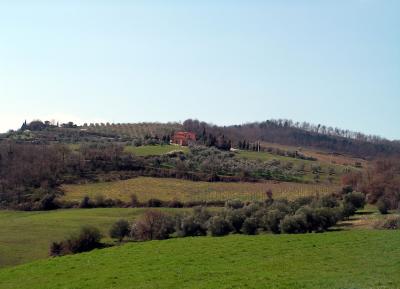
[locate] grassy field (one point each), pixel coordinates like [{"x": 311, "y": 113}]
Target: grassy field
[
  {"x": 26, "y": 236},
  {"x": 183, "y": 190},
  {"x": 154, "y": 150},
  {"x": 346, "y": 259}
]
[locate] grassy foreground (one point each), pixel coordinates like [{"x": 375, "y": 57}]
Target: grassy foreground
[
  {"x": 347, "y": 259},
  {"x": 26, "y": 236},
  {"x": 168, "y": 189}
]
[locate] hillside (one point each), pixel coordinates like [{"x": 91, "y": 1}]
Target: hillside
[
  {"x": 283, "y": 132},
  {"x": 350, "y": 259}
]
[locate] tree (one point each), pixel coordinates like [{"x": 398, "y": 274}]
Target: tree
[
  {"x": 119, "y": 230},
  {"x": 152, "y": 225},
  {"x": 218, "y": 226}
]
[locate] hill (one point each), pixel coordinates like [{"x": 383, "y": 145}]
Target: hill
[{"x": 348, "y": 259}]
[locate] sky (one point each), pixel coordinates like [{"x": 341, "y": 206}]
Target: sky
[{"x": 333, "y": 62}]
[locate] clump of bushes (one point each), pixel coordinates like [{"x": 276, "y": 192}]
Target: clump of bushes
[
  {"x": 152, "y": 225},
  {"x": 120, "y": 230},
  {"x": 304, "y": 215},
  {"x": 87, "y": 239},
  {"x": 383, "y": 206}
]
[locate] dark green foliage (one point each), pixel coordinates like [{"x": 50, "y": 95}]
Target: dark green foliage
[
  {"x": 329, "y": 201},
  {"x": 119, "y": 230},
  {"x": 218, "y": 226},
  {"x": 235, "y": 219},
  {"x": 356, "y": 199},
  {"x": 87, "y": 239},
  {"x": 294, "y": 224},
  {"x": 194, "y": 224},
  {"x": 48, "y": 202},
  {"x": 250, "y": 226},
  {"x": 383, "y": 206},
  {"x": 271, "y": 221},
  {"x": 86, "y": 203},
  {"x": 154, "y": 203}
]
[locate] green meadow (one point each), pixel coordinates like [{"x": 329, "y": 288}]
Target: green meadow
[
  {"x": 343, "y": 259},
  {"x": 26, "y": 236}
]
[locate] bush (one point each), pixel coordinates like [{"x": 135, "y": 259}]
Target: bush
[
  {"x": 348, "y": 210},
  {"x": 251, "y": 209},
  {"x": 175, "y": 204},
  {"x": 235, "y": 218},
  {"x": 152, "y": 225},
  {"x": 324, "y": 218},
  {"x": 218, "y": 226},
  {"x": 48, "y": 202},
  {"x": 356, "y": 199},
  {"x": 86, "y": 203},
  {"x": 294, "y": 224},
  {"x": 250, "y": 226},
  {"x": 383, "y": 206},
  {"x": 154, "y": 203},
  {"x": 56, "y": 249},
  {"x": 119, "y": 230},
  {"x": 87, "y": 239},
  {"x": 194, "y": 224},
  {"x": 271, "y": 221}
]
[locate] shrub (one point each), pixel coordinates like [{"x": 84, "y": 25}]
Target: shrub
[
  {"x": 348, "y": 209},
  {"x": 175, "y": 204},
  {"x": 119, "y": 230},
  {"x": 154, "y": 203},
  {"x": 356, "y": 199},
  {"x": 86, "y": 203},
  {"x": 48, "y": 202},
  {"x": 250, "y": 226},
  {"x": 218, "y": 226},
  {"x": 294, "y": 224},
  {"x": 87, "y": 239},
  {"x": 194, "y": 224},
  {"x": 56, "y": 249},
  {"x": 251, "y": 209},
  {"x": 152, "y": 225},
  {"x": 271, "y": 221},
  {"x": 325, "y": 218},
  {"x": 235, "y": 218},
  {"x": 329, "y": 201},
  {"x": 383, "y": 206}
]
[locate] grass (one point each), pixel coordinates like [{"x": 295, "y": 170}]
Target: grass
[
  {"x": 26, "y": 236},
  {"x": 168, "y": 189},
  {"x": 154, "y": 150},
  {"x": 346, "y": 259}
]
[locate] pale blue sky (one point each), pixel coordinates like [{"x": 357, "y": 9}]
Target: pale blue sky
[{"x": 330, "y": 62}]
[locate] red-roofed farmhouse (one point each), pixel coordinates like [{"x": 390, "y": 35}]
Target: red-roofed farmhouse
[{"x": 183, "y": 138}]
